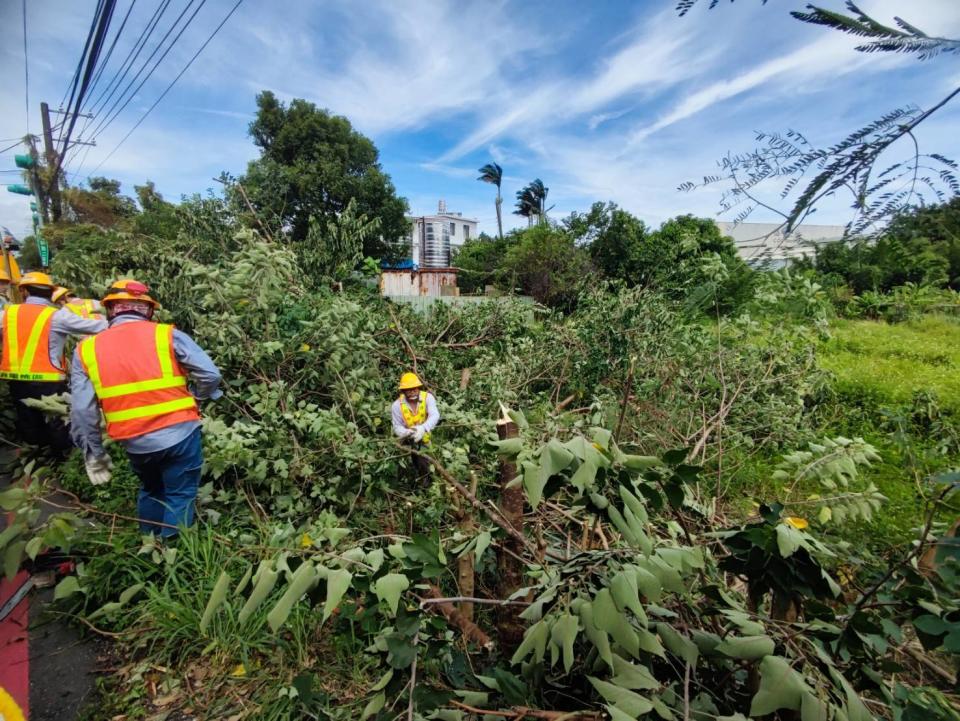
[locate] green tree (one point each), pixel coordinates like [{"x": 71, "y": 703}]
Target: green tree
[
  {"x": 546, "y": 264},
  {"x": 616, "y": 241},
  {"x": 532, "y": 202},
  {"x": 311, "y": 165},
  {"x": 493, "y": 174},
  {"x": 479, "y": 260},
  {"x": 100, "y": 204}
]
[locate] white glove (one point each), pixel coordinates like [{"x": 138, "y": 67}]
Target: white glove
[
  {"x": 405, "y": 433},
  {"x": 98, "y": 468},
  {"x": 418, "y": 433}
]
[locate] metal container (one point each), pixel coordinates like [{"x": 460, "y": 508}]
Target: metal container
[{"x": 436, "y": 245}]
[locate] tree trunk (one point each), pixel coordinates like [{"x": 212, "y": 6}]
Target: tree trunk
[
  {"x": 499, "y": 214},
  {"x": 511, "y": 570}
]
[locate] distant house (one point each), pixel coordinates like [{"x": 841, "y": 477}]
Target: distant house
[
  {"x": 434, "y": 238},
  {"x": 764, "y": 243}
]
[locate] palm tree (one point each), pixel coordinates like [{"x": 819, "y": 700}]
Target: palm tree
[
  {"x": 532, "y": 201},
  {"x": 493, "y": 173}
]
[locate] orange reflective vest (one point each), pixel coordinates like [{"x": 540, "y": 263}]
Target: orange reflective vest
[
  {"x": 26, "y": 344},
  {"x": 411, "y": 419},
  {"x": 137, "y": 378},
  {"x": 84, "y": 308}
]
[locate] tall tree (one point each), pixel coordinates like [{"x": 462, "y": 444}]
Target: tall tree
[
  {"x": 493, "y": 174},
  {"x": 311, "y": 165},
  {"x": 532, "y": 202}
]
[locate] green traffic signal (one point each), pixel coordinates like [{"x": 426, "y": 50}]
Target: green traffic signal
[
  {"x": 24, "y": 161},
  {"x": 19, "y": 189}
]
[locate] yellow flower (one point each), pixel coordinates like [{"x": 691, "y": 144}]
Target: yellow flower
[
  {"x": 239, "y": 671},
  {"x": 306, "y": 541},
  {"x": 304, "y": 347},
  {"x": 798, "y": 523}
]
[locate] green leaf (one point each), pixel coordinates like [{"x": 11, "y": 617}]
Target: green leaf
[
  {"x": 618, "y": 715},
  {"x": 789, "y": 539},
  {"x": 747, "y": 648},
  {"x": 641, "y": 463},
  {"x": 266, "y": 579},
  {"x": 217, "y": 597},
  {"x": 623, "y": 588},
  {"x": 9, "y": 533},
  {"x": 596, "y": 636},
  {"x": 337, "y": 584},
  {"x": 483, "y": 541},
  {"x": 13, "y": 497},
  {"x": 11, "y": 559},
  {"x": 534, "y": 639},
  {"x": 129, "y": 593},
  {"x": 374, "y": 559},
  {"x": 33, "y": 547},
  {"x": 621, "y": 525},
  {"x": 933, "y": 625},
  {"x": 389, "y": 588},
  {"x": 508, "y": 446},
  {"x": 678, "y": 644},
  {"x": 303, "y": 578},
  {"x": 608, "y": 618},
  {"x": 648, "y": 584},
  {"x": 373, "y": 706},
  {"x": 66, "y": 588},
  {"x": 632, "y": 704},
  {"x": 634, "y": 504},
  {"x": 532, "y": 483},
  {"x": 813, "y": 709},
  {"x": 564, "y": 633},
  {"x": 780, "y": 687},
  {"x": 629, "y": 675},
  {"x": 384, "y": 680},
  {"x": 585, "y": 475}
]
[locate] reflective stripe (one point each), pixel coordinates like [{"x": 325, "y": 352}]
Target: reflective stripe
[
  {"x": 126, "y": 389},
  {"x": 89, "y": 356},
  {"x": 163, "y": 334},
  {"x": 13, "y": 340},
  {"x": 34, "y": 340},
  {"x": 155, "y": 409},
  {"x": 28, "y": 376}
]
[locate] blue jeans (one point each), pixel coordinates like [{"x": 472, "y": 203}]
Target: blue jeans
[{"x": 169, "y": 480}]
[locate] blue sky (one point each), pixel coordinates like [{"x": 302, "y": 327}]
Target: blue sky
[{"x": 610, "y": 100}]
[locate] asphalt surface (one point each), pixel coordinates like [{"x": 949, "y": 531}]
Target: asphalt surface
[{"x": 61, "y": 661}]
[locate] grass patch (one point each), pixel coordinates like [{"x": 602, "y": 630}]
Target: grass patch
[{"x": 886, "y": 364}]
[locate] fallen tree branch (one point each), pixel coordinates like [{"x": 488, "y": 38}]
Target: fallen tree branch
[
  {"x": 520, "y": 712},
  {"x": 445, "y": 605}
]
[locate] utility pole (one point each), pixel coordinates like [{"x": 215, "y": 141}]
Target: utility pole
[
  {"x": 52, "y": 193},
  {"x": 52, "y": 165}
]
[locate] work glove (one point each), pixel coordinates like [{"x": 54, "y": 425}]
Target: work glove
[
  {"x": 98, "y": 468},
  {"x": 405, "y": 433},
  {"x": 418, "y": 433}
]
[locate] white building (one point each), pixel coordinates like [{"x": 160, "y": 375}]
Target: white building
[
  {"x": 765, "y": 243},
  {"x": 435, "y": 238}
]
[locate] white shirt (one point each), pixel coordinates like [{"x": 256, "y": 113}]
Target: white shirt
[{"x": 396, "y": 415}]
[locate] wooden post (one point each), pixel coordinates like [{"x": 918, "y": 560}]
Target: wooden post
[
  {"x": 466, "y": 562},
  {"x": 511, "y": 569}
]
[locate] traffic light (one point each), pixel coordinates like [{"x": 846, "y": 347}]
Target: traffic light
[
  {"x": 19, "y": 189},
  {"x": 24, "y": 161}
]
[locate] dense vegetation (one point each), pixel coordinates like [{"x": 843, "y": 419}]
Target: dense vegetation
[{"x": 709, "y": 510}]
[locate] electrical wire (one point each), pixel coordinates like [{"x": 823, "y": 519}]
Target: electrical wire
[
  {"x": 106, "y": 60},
  {"x": 111, "y": 114},
  {"x": 117, "y": 80},
  {"x": 170, "y": 86},
  {"x": 72, "y": 88},
  {"x": 26, "y": 66},
  {"x": 11, "y": 147},
  {"x": 98, "y": 30}
]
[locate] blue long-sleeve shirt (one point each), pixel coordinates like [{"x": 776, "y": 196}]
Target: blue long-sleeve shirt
[
  {"x": 63, "y": 324},
  {"x": 85, "y": 411}
]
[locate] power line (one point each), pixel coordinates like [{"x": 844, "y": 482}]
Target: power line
[
  {"x": 170, "y": 86},
  {"x": 11, "y": 147},
  {"x": 110, "y": 114},
  {"x": 118, "y": 77},
  {"x": 26, "y": 66},
  {"x": 72, "y": 88},
  {"x": 106, "y": 60}
]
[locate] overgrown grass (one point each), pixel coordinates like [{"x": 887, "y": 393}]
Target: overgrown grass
[{"x": 875, "y": 362}]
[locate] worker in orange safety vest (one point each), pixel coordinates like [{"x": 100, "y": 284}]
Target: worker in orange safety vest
[
  {"x": 34, "y": 334},
  {"x": 146, "y": 377},
  {"x": 83, "y": 307}
]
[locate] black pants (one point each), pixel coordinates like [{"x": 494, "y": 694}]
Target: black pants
[
  {"x": 33, "y": 426},
  {"x": 420, "y": 468}
]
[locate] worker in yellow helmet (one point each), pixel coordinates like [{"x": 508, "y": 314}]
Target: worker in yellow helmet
[
  {"x": 34, "y": 334},
  {"x": 414, "y": 415},
  {"x": 83, "y": 307}
]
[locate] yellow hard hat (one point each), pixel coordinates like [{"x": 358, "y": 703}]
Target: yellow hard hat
[
  {"x": 36, "y": 278},
  {"x": 14, "y": 268},
  {"x": 409, "y": 380},
  {"x": 129, "y": 289},
  {"x": 59, "y": 293}
]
